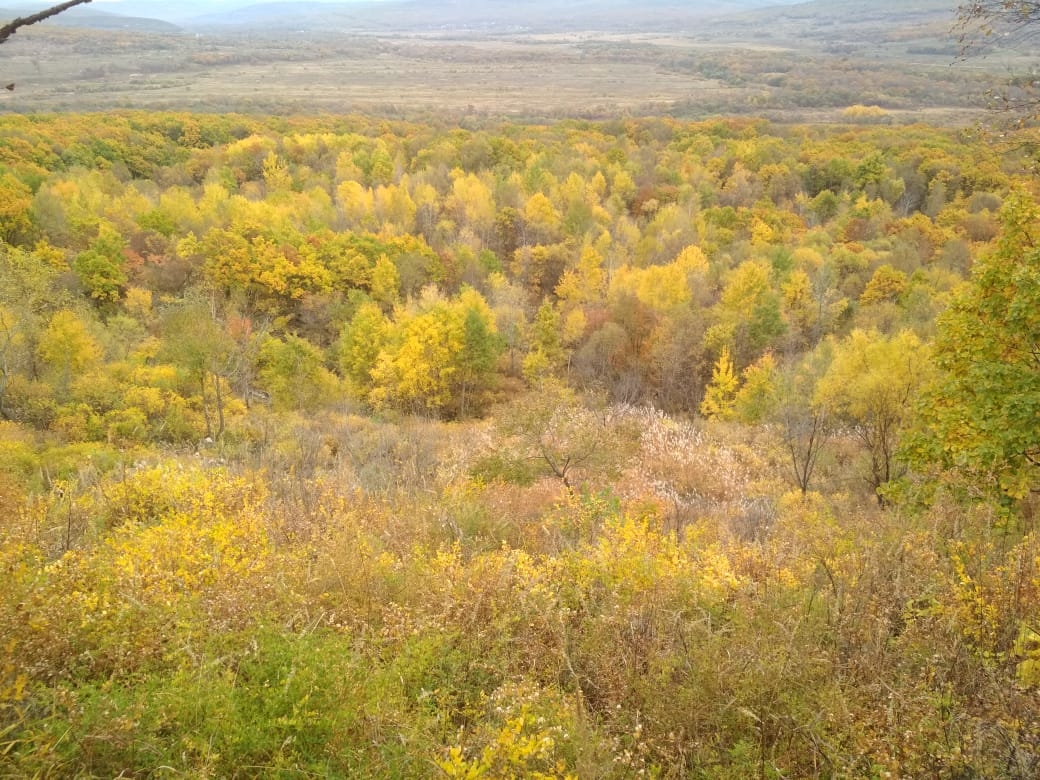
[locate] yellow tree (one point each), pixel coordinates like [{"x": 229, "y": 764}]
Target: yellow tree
[
  {"x": 872, "y": 383},
  {"x": 887, "y": 284},
  {"x": 584, "y": 284},
  {"x": 546, "y": 354},
  {"x": 541, "y": 219},
  {"x": 16, "y": 201},
  {"x": 756, "y": 399},
  {"x": 395, "y": 208},
  {"x": 720, "y": 395},
  {"x": 67, "y": 347},
  {"x": 30, "y": 296},
  {"x": 384, "y": 281},
  {"x": 269, "y": 273},
  {"x": 358, "y": 205},
  {"x": 474, "y": 204},
  {"x": 276, "y": 174},
  {"x": 438, "y": 357},
  {"x": 664, "y": 288}
]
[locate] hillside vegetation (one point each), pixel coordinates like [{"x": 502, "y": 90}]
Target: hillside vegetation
[{"x": 347, "y": 447}]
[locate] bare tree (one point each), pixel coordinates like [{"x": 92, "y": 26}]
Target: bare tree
[
  {"x": 805, "y": 429},
  {"x": 12, "y": 27}
]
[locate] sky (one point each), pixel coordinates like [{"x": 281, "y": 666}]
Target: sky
[
  {"x": 173, "y": 10},
  {"x": 215, "y": 3},
  {"x": 182, "y": 10}
]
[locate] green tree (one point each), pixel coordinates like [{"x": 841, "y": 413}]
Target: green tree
[
  {"x": 981, "y": 415},
  {"x": 293, "y": 371},
  {"x": 480, "y": 350},
  {"x": 196, "y": 341},
  {"x": 546, "y": 354},
  {"x": 359, "y": 345},
  {"x": 748, "y": 312},
  {"x": 102, "y": 267}
]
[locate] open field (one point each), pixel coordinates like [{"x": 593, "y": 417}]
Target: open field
[{"x": 777, "y": 73}]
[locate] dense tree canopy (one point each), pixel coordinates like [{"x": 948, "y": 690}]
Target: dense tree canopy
[{"x": 348, "y": 447}]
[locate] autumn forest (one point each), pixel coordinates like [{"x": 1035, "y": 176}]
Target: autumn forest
[{"x": 355, "y": 446}]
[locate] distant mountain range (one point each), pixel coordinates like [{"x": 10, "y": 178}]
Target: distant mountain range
[{"x": 392, "y": 15}]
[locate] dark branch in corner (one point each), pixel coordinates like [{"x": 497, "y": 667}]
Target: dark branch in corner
[{"x": 11, "y": 28}]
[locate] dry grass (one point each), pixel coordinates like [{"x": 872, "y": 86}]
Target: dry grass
[{"x": 591, "y": 75}]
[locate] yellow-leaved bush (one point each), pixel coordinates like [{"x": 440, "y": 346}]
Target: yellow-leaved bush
[{"x": 179, "y": 564}]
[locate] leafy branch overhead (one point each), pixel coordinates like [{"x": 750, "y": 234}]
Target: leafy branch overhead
[{"x": 12, "y": 27}]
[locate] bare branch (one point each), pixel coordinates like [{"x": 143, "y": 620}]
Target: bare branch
[
  {"x": 985, "y": 27},
  {"x": 11, "y": 28},
  {"x": 999, "y": 22}
]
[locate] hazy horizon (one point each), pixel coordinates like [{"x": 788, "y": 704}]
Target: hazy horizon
[{"x": 169, "y": 10}]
